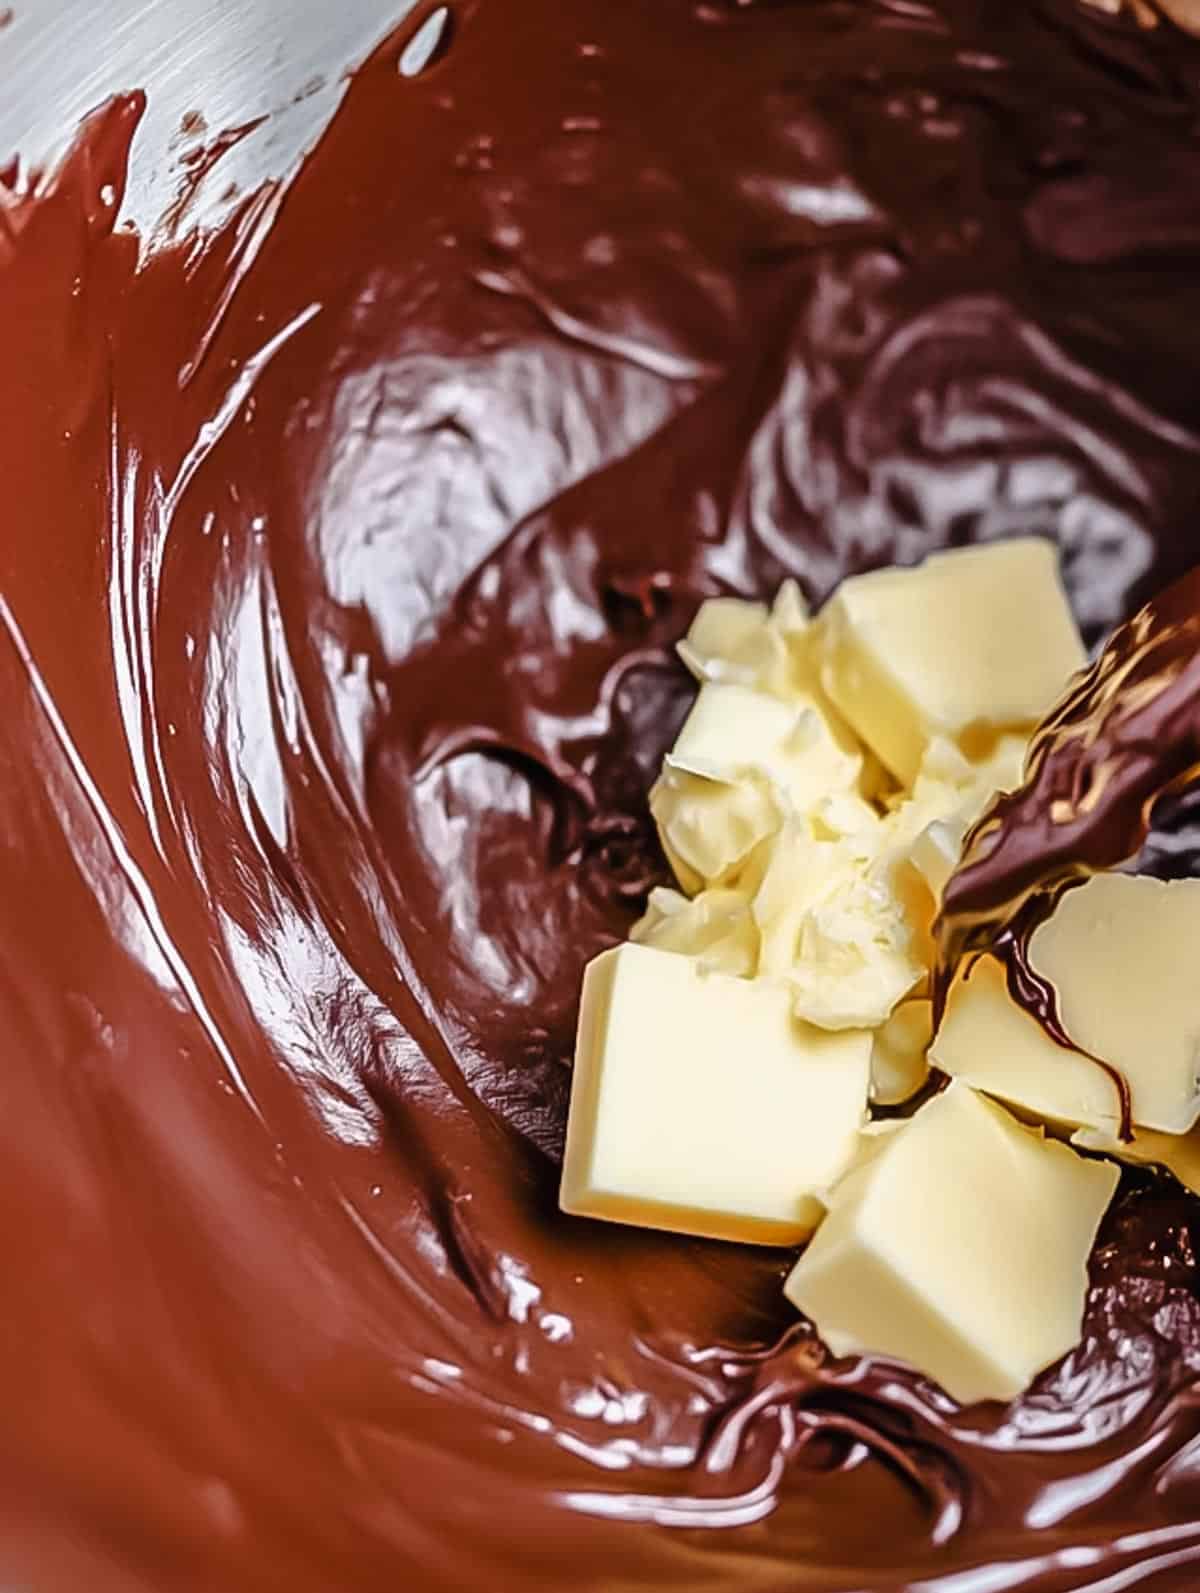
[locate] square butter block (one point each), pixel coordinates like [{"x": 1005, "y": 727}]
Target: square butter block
[
  {"x": 977, "y": 640},
  {"x": 699, "y": 1104},
  {"x": 960, "y": 1246}
]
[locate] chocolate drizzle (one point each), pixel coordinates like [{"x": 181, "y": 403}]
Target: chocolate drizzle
[
  {"x": 1125, "y": 737},
  {"x": 1031, "y": 990},
  {"x": 344, "y": 554}
]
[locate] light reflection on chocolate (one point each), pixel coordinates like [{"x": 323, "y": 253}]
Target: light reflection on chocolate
[
  {"x": 344, "y": 554},
  {"x": 1149, "y": 13}
]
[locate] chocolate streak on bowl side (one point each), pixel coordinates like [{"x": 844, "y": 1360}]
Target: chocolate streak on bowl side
[{"x": 343, "y": 556}]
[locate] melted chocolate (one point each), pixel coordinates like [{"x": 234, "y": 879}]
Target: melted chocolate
[{"x": 343, "y": 556}]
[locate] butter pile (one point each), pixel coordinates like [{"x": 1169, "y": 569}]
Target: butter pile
[{"x": 730, "y": 1053}]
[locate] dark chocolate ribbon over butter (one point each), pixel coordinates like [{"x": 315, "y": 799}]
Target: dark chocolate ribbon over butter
[{"x": 1124, "y": 737}]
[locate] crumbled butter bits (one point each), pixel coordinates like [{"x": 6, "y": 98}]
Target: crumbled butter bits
[
  {"x": 835, "y": 934},
  {"x": 743, "y": 759},
  {"x": 910, "y": 654},
  {"x": 699, "y": 1103},
  {"x": 899, "y": 1060},
  {"x": 1120, "y": 954},
  {"x": 959, "y": 1245}
]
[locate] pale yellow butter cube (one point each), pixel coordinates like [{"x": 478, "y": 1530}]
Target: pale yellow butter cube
[
  {"x": 973, "y": 641},
  {"x": 789, "y": 612},
  {"x": 995, "y": 1045},
  {"x": 723, "y": 626},
  {"x": 1120, "y": 952},
  {"x": 927, "y": 828},
  {"x": 700, "y": 1105},
  {"x": 950, "y": 792},
  {"x": 960, "y": 1246},
  {"x": 733, "y": 730},
  {"x": 1000, "y": 769}
]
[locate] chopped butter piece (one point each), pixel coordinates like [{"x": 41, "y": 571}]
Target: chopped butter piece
[
  {"x": 700, "y": 1105},
  {"x": 736, "y": 641},
  {"x": 1002, "y": 768},
  {"x": 732, "y": 730},
  {"x": 949, "y": 783},
  {"x": 717, "y": 927},
  {"x": 899, "y": 1063},
  {"x": 989, "y": 1041},
  {"x": 959, "y": 1245},
  {"x": 708, "y": 827},
  {"x": 843, "y": 816},
  {"x": 730, "y": 639},
  {"x": 741, "y": 759},
  {"x": 1178, "y": 1153},
  {"x": 928, "y": 826},
  {"x": 789, "y": 611},
  {"x": 954, "y": 790},
  {"x": 936, "y": 852},
  {"x": 944, "y": 767},
  {"x": 1120, "y": 953},
  {"x": 911, "y": 654}
]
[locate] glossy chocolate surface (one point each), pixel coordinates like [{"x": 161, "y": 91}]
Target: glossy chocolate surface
[{"x": 343, "y": 556}]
